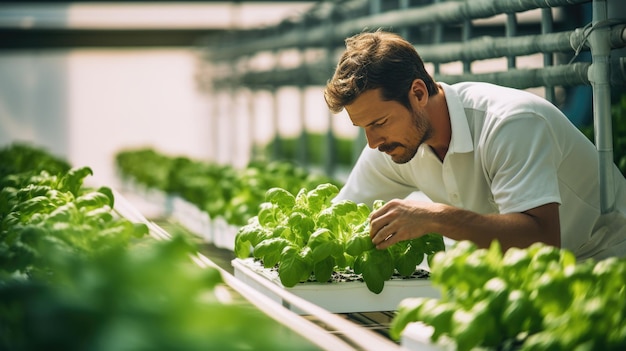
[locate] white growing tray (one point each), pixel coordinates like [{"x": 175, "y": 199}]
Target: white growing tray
[{"x": 336, "y": 297}]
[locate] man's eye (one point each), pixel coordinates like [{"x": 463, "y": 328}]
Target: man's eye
[{"x": 380, "y": 123}]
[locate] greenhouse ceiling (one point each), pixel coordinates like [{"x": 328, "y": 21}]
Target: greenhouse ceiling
[{"x": 73, "y": 24}]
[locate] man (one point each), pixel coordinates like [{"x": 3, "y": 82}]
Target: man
[{"x": 497, "y": 163}]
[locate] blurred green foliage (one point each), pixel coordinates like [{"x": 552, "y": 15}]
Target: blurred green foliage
[
  {"x": 220, "y": 190},
  {"x": 75, "y": 275},
  {"x": 317, "y": 149}
]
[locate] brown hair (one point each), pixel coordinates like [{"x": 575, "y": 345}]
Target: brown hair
[{"x": 376, "y": 60}]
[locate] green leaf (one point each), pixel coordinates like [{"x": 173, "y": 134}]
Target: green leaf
[
  {"x": 328, "y": 220},
  {"x": 242, "y": 247},
  {"x": 267, "y": 214},
  {"x": 280, "y": 197},
  {"x": 406, "y": 313},
  {"x": 301, "y": 226},
  {"x": 433, "y": 243},
  {"x": 247, "y": 236},
  {"x": 109, "y": 193},
  {"x": 92, "y": 200},
  {"x": 343, "y": 207},
  {"x": 73, "y": 179},
  {"x": 294, "y": 267},
  {"x": 363, "y": 211},
  {"x": 99, "y": 216},
  {"x": 406, "y": 264},
  {"x": 377, "y": 268},
  {"x": 516, "y": 313},
  {"x": 40, "y": 204},
  {"x": 319, "y": 197},
  {"x": 439, "y": 317},
  {"x": 357, "y": 244},
  {"x": 270, "y": 250},
  {"x": 378, "y": 204},
  {"x": 323, "y": 245},
  {"x": 324, "y": 269},
  {"x": 467, "y": 333},
  {"x": 140, "y": 230}
]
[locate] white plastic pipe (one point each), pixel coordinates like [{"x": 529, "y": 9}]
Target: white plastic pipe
[{"x": 600, "y": 81}]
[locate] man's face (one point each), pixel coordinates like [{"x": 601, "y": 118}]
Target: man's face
[{"x": 389, "y": 126}]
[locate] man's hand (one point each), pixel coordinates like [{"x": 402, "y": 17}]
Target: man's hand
[{"x": 400, "y": 220}]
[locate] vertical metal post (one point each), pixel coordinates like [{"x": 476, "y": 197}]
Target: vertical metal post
[
  {"x": 467, "y": 35},
  {"x": 231, "y": 122},
  {"x": 375, "y": 6},
  {"x": 361, "y": 141},
  {"x": 251, "y": 124},
  {"x": 600, "y": 82},
  {"x": 404, "y": 31},
  {"x": 303, "y": 147},
  {"x": 548, "y": 57},
  {"x": 302, "y": 151},
  {"x": 511, "y": 31},
  {"x": 330, "y": 154},
  {"x": 215, "y": 125},
  {"x": 277, "y": 149},
  {"x": 437, "y": 39}
]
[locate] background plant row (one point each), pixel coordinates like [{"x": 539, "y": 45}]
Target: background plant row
[{"x": 220, "y": 190}]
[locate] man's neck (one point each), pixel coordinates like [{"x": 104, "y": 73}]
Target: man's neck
[{"x": 440, "y": 120}]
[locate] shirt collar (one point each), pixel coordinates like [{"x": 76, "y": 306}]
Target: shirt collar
[{"x": 461, "y": 139}]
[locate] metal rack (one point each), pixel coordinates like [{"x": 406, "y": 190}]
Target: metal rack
[{"x": 443, "y": 32}]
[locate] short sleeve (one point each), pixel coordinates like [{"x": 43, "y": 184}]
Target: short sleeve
[{"x": 521, "y": 160}]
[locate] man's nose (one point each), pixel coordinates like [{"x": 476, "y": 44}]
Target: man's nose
[{"x": 374, "y": 140}]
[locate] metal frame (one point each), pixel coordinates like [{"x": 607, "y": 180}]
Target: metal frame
[{"x": 453, "y": 38}]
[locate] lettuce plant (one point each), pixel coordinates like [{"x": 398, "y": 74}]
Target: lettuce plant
[
  {"x": 534, "y": 298},
  {"x": 308, "y": 236}
]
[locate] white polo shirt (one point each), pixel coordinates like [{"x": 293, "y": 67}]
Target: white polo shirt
[{"x": 510, "y": 151}]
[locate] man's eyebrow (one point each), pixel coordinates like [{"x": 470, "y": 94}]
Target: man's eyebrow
[{"x": 372, "y": 122}]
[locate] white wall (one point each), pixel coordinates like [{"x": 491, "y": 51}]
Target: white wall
[
  {"x": 86, "y": 105},
  {"x": 33, "y": 95}
]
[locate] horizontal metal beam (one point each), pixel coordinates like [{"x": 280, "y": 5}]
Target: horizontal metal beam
[
  {"x": 66, "y": 2},
  {"x": 563, "y": 75},
  {"x": 522, "y": 78},
  {"x": 323, "y": 33},
  {"x": 491, "y": 47},
  {"x": 11, "y": 39}
]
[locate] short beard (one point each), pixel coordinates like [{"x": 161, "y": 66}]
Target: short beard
[{"x": 421, "y": 124}]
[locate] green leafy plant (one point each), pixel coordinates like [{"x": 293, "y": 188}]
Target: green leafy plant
[
  {"x": 316, "y": 148},
  {"x": 42, "y": 213},
  {"x": 146, "y": 297},
  {"x": 23, "y": 157},
  {"x": 538, "y": 298},
  {"x": 220, "y": 190},
  {"x": 307, "y": 235},
  {"x": 74, "y": 275}
]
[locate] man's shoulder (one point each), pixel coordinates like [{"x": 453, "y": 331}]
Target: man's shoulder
[
  {"x": 500, "y": 100},
  {"x": 492, "y": 92}
]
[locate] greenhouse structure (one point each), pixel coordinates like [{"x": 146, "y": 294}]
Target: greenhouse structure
[{"x": 239, "y": 246}]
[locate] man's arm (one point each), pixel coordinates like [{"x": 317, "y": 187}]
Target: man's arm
[{"x": 406, "y": 219}]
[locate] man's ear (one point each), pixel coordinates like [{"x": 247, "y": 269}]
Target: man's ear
[{"x": 419, "y": 92}]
